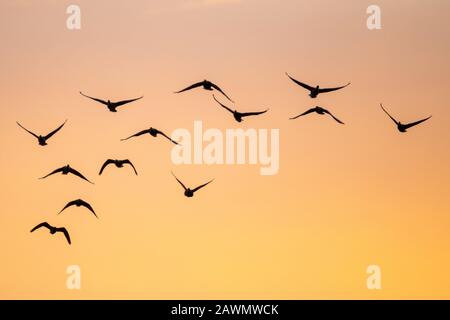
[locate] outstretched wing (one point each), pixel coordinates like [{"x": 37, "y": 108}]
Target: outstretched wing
[
  {"x": 54, "y": 131},
  {"x": 140, "y": 133},
  {"x": 65, "y": 232},
  {"x": 184, "y": 187},
  {"x": 333, "y": 89},
  {"x": 40, "y": 225},
  {"x": 301, "y": 84},
  {"x": 203, "y": 185},
  {"x": 166, "y": 136},
  {"x": 107, "y": 162},
  {"x": 222, "y": 105},
  {"x": 78, "y": 174},
  {"x": 337, "y": 120},
  {"x": 246, "y": 114},
  {"x": 35, "y": 135},
  {"x": 131, "y": 164},
  {"x": 95, "y": 99},
  {"x": 89, "y": 207},
  {"x": 71, "y": 203},
  {"x": 409, "y": 125},
  {"x": 53, "y": 172},
  {"x": 121, "y": 103},
  {"x": 303, "y": 114},
  {"x": 396, "y": 122},
  {"x": 221, "y": 91},
  {"x": 195, "y": 85}
]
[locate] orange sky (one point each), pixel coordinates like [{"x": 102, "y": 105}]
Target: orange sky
[{"x": 345, "y": 197}]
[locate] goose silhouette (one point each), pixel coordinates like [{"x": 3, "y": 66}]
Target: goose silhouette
[
  {"x": 79, "y": 203},
  {"x": 112, "y": 106},
  {"x": 239, "y": 115},
  {"x": 65, "y": 171},
  {"x": 318, "y": 110},
  {"x": 207, "y": 85},
  {"x": 403, "y": 127},
  {"x": 53, "y": 230},
  {"x": 188, "y": 192},
  {"x": 315, "y": 91},
  {"x": 153, "y": 132},
  {"x": 42, "y": 140},
  {"x": 118, "y": 164}
]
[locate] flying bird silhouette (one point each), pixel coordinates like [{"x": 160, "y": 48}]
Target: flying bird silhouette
[
  {"x": 112, "y": 106},
  {"x": 403, "y": 127},
  {"x": 65, "y": 171},
  {"x": 153, "y": 132},
  {"x": 53, "y": 230},
  {"x": 42, "y": 139},
  {"x": 318, "y": 110},
  {"x": 118, "y": 163},
  {"x": 315, "y": 91},
  {"x": 190, "y": 192},
  {"x": 207, "y": 85},
  {"x": 79, "y": 203},
  {"x": 239, "y": 115}
]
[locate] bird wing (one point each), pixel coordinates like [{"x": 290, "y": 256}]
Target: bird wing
[
  {"x": 78, "y": 174},
  {"x": 95, "y": 99},
  {"x": 131, "y": 164},
  {"x": 246, "y": 114},
  {"x": 332, "y": 89},
  {"x": 222, "y": 105},
  {"x": 396, "y": 122},
  {"x": 140, "y": 133},
  {"x": 195, "y": 85},
  {"x": 53, "y": 172},
  {"x": 409, "y": 125},
  {"x": 337, "y": 120},
  {"x": 69, "y": 204},
  {"x": 54, "y": 131},
  {"x": 27, "y": 130},
  {"x": 164, "y": 135},
  {"x": 66, "y": 233},
  {"x": 301, "y": 84},
  {"x": 89, "y": 207},
  {"x": 43, "y": 224},
  {"x": 120, "y": 103},
  {"x": 184, "y": 187},
  {"x": 303, "y": 114},
  {"x": 221, "y": 91},
  {"x": 107, "y": 162},
  {"x": 203, "y": 185}
]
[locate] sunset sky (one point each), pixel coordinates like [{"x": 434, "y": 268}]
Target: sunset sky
[{"x": 346, "y": 196}]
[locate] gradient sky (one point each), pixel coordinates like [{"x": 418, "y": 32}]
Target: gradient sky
[{"x": 346, "y": 196}]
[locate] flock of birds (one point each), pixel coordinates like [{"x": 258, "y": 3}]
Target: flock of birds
[{"x": 188, "y": 192}]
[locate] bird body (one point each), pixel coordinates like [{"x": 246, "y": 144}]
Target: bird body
[
  {"x": 118, "y": 164},
  {"x": 151, "y": 131},
  {"x": 53, "y": 230},
  {"x": 42, "y": 140},
  {"x": 239, "y": 115},
  {"x": 403, "y": 127},
  {"x": 79, "y": 203},
  {"x": 207, "y": 85},
  {"x": 112, "y": 106},
  {"x": 65, "y": 171},
  {"x": 188, "y": 192},
  {"x": 318, "y": 110},
  {"x": 315, "y": 91}
]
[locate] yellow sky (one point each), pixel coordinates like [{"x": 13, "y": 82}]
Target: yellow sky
[{"x": 345, "y": 197}]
